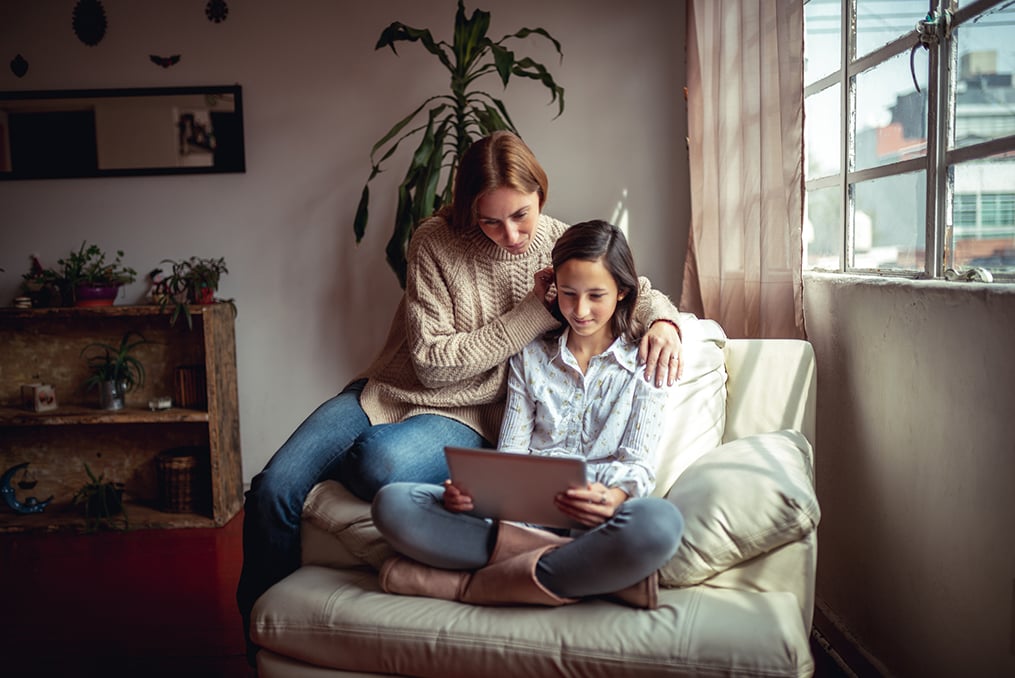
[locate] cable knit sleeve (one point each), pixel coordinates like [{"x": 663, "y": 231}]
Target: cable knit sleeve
[
  {"x": 653, "y": 305},
  {"x": 466, "y": 315}
]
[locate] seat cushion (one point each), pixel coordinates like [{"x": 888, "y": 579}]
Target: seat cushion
[
  {"x": 340, "y": 619},
  {"x": 740, "y": 501}
]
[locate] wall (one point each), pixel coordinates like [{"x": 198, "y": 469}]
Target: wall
[
  {"x": 313, "y": 306},
  {"x": 915, "y": 465}
]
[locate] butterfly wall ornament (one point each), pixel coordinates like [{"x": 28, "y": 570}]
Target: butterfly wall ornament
[{"x": 165, "y": 62}]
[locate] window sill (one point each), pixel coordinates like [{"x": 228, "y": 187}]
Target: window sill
[{"x": 996, "y": 288}]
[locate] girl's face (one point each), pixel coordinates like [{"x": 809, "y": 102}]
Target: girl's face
[
  {"x": 508, "y": 217},
  {"x": 587, "y": 295}
]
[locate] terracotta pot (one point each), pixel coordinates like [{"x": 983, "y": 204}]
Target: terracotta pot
[{"x": 95, "y": 295}]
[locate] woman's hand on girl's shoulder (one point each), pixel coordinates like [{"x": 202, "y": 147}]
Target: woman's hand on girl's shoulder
[{"x": 660, "y": 352}]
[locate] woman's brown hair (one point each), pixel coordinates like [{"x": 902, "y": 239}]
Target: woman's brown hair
[{"x": 500, "y": 160}]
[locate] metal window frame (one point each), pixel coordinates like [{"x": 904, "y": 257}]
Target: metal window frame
[{"x": 940, "y": 155}]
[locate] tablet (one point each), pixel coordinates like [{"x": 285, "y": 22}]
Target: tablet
[{"x": 519, "y": 487}]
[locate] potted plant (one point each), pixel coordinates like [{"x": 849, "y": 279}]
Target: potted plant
[
  {"x": 114, "y": 370},
  {"x": 44, "y": 286},
  {"x": 91, "y": 280},
  {"x": 189, "y": 281},
  {"x": 453, "y": 119},
  {"x": 100, "y": 500}
]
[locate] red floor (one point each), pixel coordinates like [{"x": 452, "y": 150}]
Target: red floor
[{"x": 142, "y": 603}]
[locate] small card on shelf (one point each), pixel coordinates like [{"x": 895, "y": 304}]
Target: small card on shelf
[{"x": 38, "y": 397}]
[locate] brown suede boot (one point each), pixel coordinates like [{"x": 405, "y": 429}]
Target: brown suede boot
[
  {"x": 644, "y": 594},
  {"x": 512, "y": 581},
  {"x": 409, "y": 577},
  {"x": 513, "y": 539}
]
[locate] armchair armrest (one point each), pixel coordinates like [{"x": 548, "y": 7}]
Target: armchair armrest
[{"x": 772, "y": 386}]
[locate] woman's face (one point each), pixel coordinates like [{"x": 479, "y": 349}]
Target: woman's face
[{"x": 508, "y": 217}]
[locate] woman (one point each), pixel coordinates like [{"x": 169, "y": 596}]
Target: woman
[
  {"x": 469, "y": 305},
  {"x": 576, "y": 392}
]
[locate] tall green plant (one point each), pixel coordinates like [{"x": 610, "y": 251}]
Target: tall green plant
[{"x": 454, "y": 120}]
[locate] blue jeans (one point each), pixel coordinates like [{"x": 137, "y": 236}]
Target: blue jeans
[
  {"x": 336, "y": 441},
  {"x": 640, "y": 538}
]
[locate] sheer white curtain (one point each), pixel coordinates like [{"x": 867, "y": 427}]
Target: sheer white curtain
[{"x": 745, "y": 126}]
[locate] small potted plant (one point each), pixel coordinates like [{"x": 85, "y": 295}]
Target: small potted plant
[
  {"x": 114, "y": 370},
  {"x": 93, "y": 281},
  {"x": 189, "y": 281},
  {"x": 100, "y": 500},
  {"x": 44, "y": 286}
]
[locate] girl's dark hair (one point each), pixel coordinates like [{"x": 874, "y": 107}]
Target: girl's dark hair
[
  {"x": 601, "y": 241},
  {"x": 500, "y": 160}
]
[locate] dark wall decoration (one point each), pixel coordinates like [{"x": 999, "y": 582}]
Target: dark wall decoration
[
  {"x": 216, "y": 10},
  {"x": 165, "y": 62},
  {"x": 19, "y": 66},
  {"x": 89, "y": 21}
]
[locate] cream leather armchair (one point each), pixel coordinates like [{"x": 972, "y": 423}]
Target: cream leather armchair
[{"x": 738, "y": 595}]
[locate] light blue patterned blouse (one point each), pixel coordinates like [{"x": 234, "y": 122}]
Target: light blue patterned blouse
[{"x": 610, "y": 415}]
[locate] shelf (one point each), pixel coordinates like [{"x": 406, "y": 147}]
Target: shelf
[
  {"x": 102, "y": 311},
  {"x": 82, "y": 416},
  {"x": 66, "y": 518},
  {"x": 44, "y": 345}
]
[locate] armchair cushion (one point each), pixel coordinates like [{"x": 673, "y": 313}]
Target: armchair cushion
[
  {"x": 696, "y": 407},
  {"x": 741, "y": 500}
]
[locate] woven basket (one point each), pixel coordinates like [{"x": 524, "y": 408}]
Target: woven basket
[{"x": 183, "y": 486}]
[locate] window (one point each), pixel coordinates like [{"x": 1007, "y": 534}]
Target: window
[{"x": 909, "y": 136}]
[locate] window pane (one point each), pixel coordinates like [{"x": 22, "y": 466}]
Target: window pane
[
  {"x": 822, "y": 46},
  {"x": 890, "y": 222},
  {"x": 891, "y": 116},
  {"x": 822, "y": 130},
  {"x": 822, "y": 231},
  {"x": 878, "y": 22},
  {"x": 983, "y": 214},
  {"x": 984, "y": 92}
]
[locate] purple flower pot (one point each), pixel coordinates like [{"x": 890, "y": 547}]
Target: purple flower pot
[{"x": 95, "y": 295}]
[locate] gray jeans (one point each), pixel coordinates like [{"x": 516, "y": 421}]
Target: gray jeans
[{"x": 640, "y": 538}]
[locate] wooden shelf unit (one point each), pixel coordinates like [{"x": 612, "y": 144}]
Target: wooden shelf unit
[{"x": 44, "y": 345}]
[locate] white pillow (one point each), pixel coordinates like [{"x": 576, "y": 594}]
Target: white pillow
[
  {"x": 741, "y": 500},
  {"x": 696, "y": 408}
]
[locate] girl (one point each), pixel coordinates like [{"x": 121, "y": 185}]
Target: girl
[{"x": 576, "y": 391}]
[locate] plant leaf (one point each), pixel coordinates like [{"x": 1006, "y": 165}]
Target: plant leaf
[
  {"x": 399, "y": 32},
  {"x": 359, "y": 224},
  {"x": 526, "y": 32},
  {"x": 539, "y": 72},
  {"x": 470, "y": 36}
]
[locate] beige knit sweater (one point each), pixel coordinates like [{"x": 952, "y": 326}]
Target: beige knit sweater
[{"x": 468, "y": 307}]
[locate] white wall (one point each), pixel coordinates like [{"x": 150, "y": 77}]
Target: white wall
[
  {"x": 915, "y": 467},
  {"x": 313, "y": 307}
]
